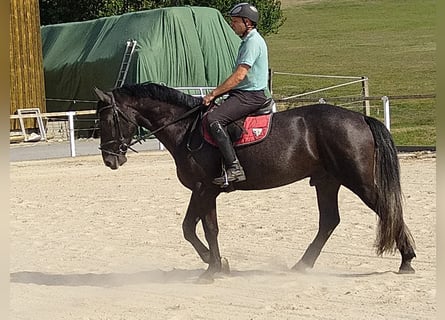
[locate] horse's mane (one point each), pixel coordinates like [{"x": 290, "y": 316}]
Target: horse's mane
[{"x": 159, "y": 92}]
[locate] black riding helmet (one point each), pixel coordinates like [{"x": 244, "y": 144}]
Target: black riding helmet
[{"x": 245, "y": 10}]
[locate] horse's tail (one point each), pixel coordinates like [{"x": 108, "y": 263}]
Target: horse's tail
[{"x": 392, "y": 231}]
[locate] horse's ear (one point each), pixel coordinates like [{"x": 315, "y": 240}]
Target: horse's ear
[{"x": 102, "y": 95}]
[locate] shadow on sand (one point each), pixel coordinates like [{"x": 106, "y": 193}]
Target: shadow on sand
[
  {"x": 154, "y": 276},
  {"x": 105, "y": 279}
]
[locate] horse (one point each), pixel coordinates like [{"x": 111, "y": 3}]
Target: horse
[{"x": 330, "y": 145}]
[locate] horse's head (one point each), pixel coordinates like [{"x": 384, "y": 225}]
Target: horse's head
[{"x": 117, "y": 128}]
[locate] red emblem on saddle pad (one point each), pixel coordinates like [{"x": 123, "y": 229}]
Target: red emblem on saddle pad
[{"x": 256, "y": 128}]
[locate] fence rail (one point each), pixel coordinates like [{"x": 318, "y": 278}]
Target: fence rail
[
  {"x": 69, "y": 114},
  {"x": 360, "y": 98},
  {"x": 385, "y": 100},
  {"x": 363, "y": 80}
]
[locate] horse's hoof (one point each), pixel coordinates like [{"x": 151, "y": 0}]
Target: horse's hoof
[
  {"x": 205, "y": 278},
  {"x": 225, "y": 268},
  {"x": 406, "y": 268},
  {"x": 300, "y": 267}
]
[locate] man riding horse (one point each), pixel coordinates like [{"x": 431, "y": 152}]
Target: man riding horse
[{"x": 245, "y": 88}]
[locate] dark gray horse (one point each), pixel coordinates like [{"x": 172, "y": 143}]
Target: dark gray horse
[{"x": 330, "y": 145}]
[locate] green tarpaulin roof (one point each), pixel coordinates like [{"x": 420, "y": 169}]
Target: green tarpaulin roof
[{"x": 178, "y": 46}]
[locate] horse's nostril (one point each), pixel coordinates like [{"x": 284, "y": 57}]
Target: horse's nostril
[{"x": 108, "y": 163}]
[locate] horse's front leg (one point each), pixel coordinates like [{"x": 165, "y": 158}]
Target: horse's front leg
[
  {"x": 202, "y": 207},
  {"x": 189, "y": 227},
  {"x": 211, "y": 230}
]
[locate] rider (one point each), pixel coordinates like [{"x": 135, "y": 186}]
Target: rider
[{"x": 245, "y": 88}]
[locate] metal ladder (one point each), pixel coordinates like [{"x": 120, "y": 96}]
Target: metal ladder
[
  {"x": 35, "y": 113},
  {"x": 125, "y": 64}
]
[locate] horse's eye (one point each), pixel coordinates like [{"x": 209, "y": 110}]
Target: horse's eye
[{"x": 123, "y": 148}]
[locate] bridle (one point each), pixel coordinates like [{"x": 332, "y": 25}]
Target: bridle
[{"x": 123, "y": 146}]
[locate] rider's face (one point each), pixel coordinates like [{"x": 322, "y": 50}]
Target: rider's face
[{"x": 238, "y": 25}]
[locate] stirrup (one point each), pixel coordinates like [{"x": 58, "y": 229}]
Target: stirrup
[
  {"x": 222, "y": 181},
  {"x": 228, "y": 177}
]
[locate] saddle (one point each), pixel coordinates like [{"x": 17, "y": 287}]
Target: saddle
[{"x": 248, "y": 130}]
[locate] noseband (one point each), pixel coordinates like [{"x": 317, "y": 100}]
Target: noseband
[{"x": 123, "y": 146}]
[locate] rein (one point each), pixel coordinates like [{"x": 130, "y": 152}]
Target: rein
[{"x": 123, "y": 147}]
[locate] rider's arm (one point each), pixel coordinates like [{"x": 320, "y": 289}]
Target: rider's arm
[{"x": 231, "y": 82}]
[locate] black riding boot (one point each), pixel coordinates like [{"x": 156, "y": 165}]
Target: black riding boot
[{"x": 234, "y": 171}]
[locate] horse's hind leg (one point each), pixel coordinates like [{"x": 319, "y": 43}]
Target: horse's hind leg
[
  {"x": 327, "y": 198},
  {"x": 398, "y": 230},
  {"x": 405, "y": 246}
]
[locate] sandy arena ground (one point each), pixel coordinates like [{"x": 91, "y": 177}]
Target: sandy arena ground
[{"x": 91, "y": 243}]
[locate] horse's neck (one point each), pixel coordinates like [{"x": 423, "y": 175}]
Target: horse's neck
[{"x": 163, "y": 114}]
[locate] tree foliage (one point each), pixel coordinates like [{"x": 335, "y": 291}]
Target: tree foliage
[{"x": 60, "y": 11}]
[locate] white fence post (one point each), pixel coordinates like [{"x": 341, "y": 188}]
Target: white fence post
[
  {"x": 71, "y": 130},
  {"x": 386, "y": 113}
]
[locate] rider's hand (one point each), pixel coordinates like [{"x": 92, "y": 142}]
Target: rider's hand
[{"x": 208, "y": 98}]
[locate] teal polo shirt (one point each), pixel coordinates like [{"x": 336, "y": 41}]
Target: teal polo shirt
[{"x": 253, "y": 52}]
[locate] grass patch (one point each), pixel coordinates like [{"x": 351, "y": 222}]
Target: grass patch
[{"x": 393, "y": 43}]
